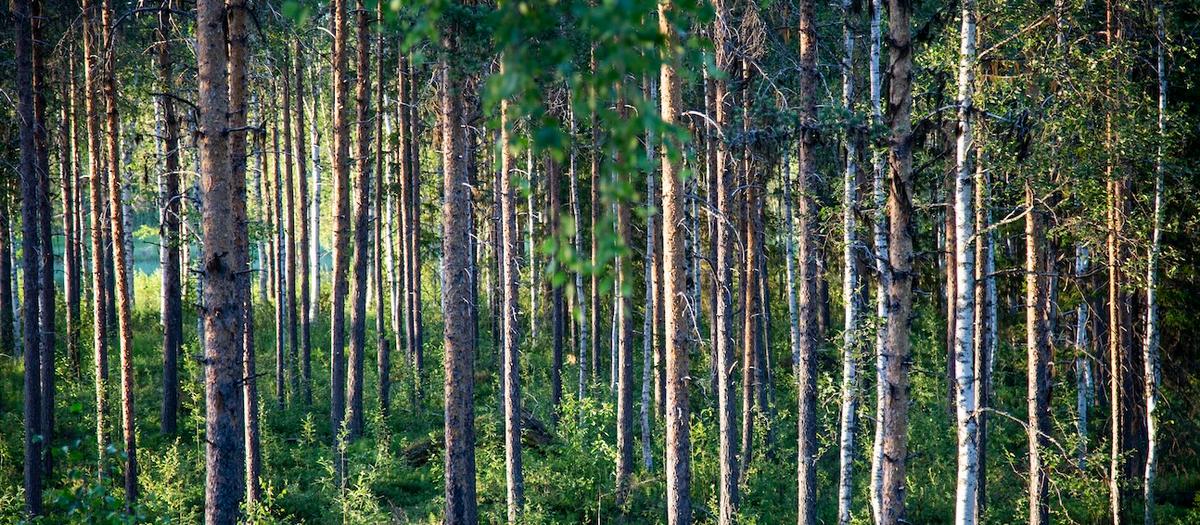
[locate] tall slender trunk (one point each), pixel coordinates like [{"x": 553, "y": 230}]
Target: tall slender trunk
[
  {"x": 172, "y": 314},
  {"x": 383, "y": 363},
  {"x": 414, "y": 235},
  {"x": 678, "y": 328},
  {"x": 1038, "y": 363},
  {"x": 358, "y": 292},
  {"x": 314, "y": 219},
  {"x": 752, "y": 195},
  {"x": 222, "y": 316},
  {"x": 726, "y": 239},
  {"x": 1150, "y": 358},
  {"x": 405, "y": 191},
  {"x": 124, "y": 326},
  {"x": 594, "y": 225},
  {"x": 278, "y": 294},
  {"x": 459, "y": 333},
  {"x": 288, "y": 245},
  {"x": 45, "y": 249},
  {"x": 511, "y": 373},
  {"x": 302, "y": 251},
  {"x": 985, "y": 319},
  {"x": 8, "y": 335},
  {"x": 809, "y": 293},
  {"x": 341, "y": 232},
  {"x": 651, "y": 360},
  {"x": 557, "y": 306},
  {"x": 92, "y": 107},
  {"x": 237, "y": 37},
  {"x": 894, "y": 406},
  {"x": 584, "y": 340},
  {"x": 850, "y": 279},
  {"x": 623, "y": 328},
  {"x": 29, "y": 190},
  {"x": 881, "y": 264},
  {"x": 1117, "y": 299},
  {"x": 1083, "y": 363},
  {"x": 67, "y": 176},
  {"x": 966, "y": 408}
]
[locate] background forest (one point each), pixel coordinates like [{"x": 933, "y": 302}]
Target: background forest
[{"x": 566, "y": 261}]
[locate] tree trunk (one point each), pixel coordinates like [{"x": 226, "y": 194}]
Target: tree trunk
[
  {"x": 358, "y": 292},
  {"x": 594, "y": 223},
  {"x": 341, "y": 232},
  {"x": 557, "y": 306},
  {"x": 236, "y": 27},
  {"x": 383, "y": 363},
  {"x": 124, "y": 327},
  {"x": 652, "y": 372},
  {"x": 678, "y": 328},
  {"x": 459, "y": 332},
  {"x": 29, "y": 192},
  {"x": 1151, "y": 358},
  {"x": 623, "y": 324},
  {"x": 1038, "y": 363},
  {"x": 414, "y": 236},
  {"x": 67, "y": 177},
  {"x": 277, "y": 279},
  {"x": 964, "y": 307},
  {"x": 809, "y": 296},
  {"x": 314, "y": 218},
  {"x": 585, "y": 335},
  {"x": 894, "y": 406},
  {"x": 92, "y": 107},
  {"x": 726, "y": 239},
  {"x": 881, "y": 265},
  {"x": 511, "y": 375},
  {"x": 850, "y": 281},
  {"x": 223, "y": 315},
  {"x": 287, "y": 245},
  {"x": 985, "y": 320},
  {"x": 302, "y": 251},
  {"x": 8, "y": 335},
  {"x": 172, "y": 314},
  {"x": 45, "y": 248},
  {"x": 1117, "y": 299}
]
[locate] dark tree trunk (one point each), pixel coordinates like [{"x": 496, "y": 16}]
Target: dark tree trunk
[
  {"x": 341, "y": 232},
  {"x": 172, "y": 315},
  {"x": 29, "y": 189},
  {"x": 303, "y": 249},
  {"x": 362, "y": 203}
]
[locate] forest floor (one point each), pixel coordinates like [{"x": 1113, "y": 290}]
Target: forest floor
[{"x": 395, "y": 469}]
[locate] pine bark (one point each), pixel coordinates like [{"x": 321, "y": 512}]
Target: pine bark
[
  {"x": 726, "y": 239},
  {"x": 92, "y": 108},
  {"x": 459, "y": 332},
  {"x": 66, "y": 181},
  {"x": 222, "y": 314},
  {"x": 623, "y": 361},
  {"x": 302, "y": 251},
  {"x": 383, "y": 363},
  {"x": 511, "y": 374},
  {"x": 900, "y": 274},
  {"x": 341, "y": 232},
  {"x": 362, "y": 203},
  {"x": 810, "y": 300},
  {"x": 1038, "y": 362},
  {"x": 45, "y": 248},
  {"x": 678, "y": 328}
]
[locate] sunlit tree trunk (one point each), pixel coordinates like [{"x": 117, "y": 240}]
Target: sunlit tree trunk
[
  {"x": 1038, "y": 363},
  {"x": 726, "y": 239},
  {"x": 623, "y": 342},
  {"x": 678, "y": 327},
  {"x": 383, "y": 362},
  {"x": 881, "y": 264},
  {"x": 964, "y": 307},
  {"x": 67, "y": 175},
  {"x": 459, "y": 332},
  {"x": 92, "y": 108},
  {"x": 1151, "y": 358},
  {"x": 985, "y": 319},
  {"x": 850, "y": 279},
  {"x": 224, "y": 442},
  {"x": 581, "y": 317}
]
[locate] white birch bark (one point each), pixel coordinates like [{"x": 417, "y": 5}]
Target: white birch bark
[
  {"x": 530, "y": 246},
  {"x": 1150, "y": 358},
  {"x": 584, "y": 343},
  {"x": 964, "y": 303},
  {"x": 880, "y": 230},
  {"x": 1083, "y": 364},
  {"x": 849, "y": 410}
]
